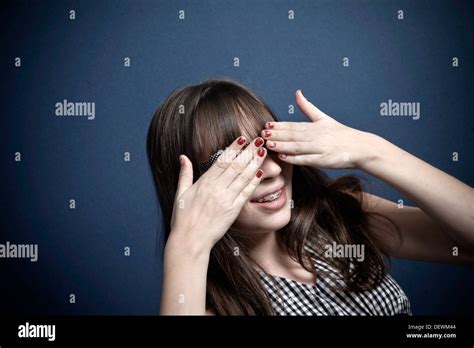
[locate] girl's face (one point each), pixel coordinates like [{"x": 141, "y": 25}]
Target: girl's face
[{"x": 269, "y": 209}]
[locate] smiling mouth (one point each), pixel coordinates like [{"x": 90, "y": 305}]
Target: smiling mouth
[{"x": 270, "y": 197}]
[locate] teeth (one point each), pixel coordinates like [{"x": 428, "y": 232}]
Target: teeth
[{"x": 270, "y": 197}]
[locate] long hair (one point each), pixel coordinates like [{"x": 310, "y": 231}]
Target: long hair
[{"x": 198, "y": 120}]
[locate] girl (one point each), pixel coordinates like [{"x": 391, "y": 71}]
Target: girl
[{"x": 254, "y": 227}]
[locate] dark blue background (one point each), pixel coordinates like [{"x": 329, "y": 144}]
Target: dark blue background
[{"x": 81, "y": 250}]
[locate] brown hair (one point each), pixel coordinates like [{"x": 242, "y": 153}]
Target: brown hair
[{"x": 198, "y": 120}]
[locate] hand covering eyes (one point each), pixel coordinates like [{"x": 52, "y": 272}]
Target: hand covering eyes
[{"x": 205, "y": 165}]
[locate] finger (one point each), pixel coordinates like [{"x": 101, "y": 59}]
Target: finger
[
  {"x": 238, "y": 165},
  {"x": 313, "y": 113},
  {"x": 226, "y": 158},
  {"x": 247, "y": 175},
  {"x": 291, "y": 148},
  {"x": 248, "y": 191},
  {"x": 284, "y": 135},
  {"x": 301, "y": 160},
  {"x": 185, "y": 180},
  {"x": 296, "y": 126}
]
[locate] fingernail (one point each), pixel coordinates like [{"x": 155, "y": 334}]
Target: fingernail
[
  {"x": 181, "y": 161},
  {"x": 282, "y": 155},
  {"x": 259, "y": 173},
  {"x": 270, "y": 125},
  {"x": 241, "y": 140},
  {"x": 258, "y": 142},
  {"x": 261, "y": 151},
  {"x": 267, "y": 133},
  {"x": 270, "y": 143}
]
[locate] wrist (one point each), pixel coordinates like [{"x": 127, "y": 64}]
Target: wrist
[
  {"x": 185, "y": 246},
  {"x": 375, "y": 149}
]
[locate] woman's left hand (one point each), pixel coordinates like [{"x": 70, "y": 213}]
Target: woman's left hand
[
  {"x": 429, "y": 231},
  {"x": 322, "y": 142}
]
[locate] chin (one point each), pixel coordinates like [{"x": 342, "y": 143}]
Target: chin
[
  {"x": 264, "y": 222},
  {"x": 276, "y": 221}
]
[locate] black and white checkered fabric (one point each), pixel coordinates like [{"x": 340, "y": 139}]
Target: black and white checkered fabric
[{"x": 290, "y": 297}]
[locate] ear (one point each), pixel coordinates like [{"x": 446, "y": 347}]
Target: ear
[{"x": 311, "y": 111}]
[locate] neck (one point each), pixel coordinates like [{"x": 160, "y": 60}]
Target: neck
[{"x": 267, "y": 252}]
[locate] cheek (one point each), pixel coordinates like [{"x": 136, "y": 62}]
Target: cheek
[{"x": 247, "y": 217}]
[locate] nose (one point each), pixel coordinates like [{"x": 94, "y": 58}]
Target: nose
[{"x": 272, "y": 166}]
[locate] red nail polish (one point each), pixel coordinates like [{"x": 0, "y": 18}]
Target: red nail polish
[
  {"x": 270, "y": 125},
  {"x": 241, "y": 140},
  {"x": 258, "y": 142},
  {"x": 259, "y": 173},
  {"x": 267, "y": 133},
  {"x": 261, "y": 152}
]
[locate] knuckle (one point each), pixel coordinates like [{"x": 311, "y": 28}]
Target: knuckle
[
  {"x": 236, "y": 166},
  {"x": 221, "y": 164},
  {"x": 218, "y": 200},
  {"x": 244, "y": 178},
  {"x": 298, "y": 147}
]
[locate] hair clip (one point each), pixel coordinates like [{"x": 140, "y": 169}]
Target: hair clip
[{"x": 204, "y": 166}]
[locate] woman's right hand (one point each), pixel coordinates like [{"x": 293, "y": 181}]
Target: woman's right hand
[{"x": 205, "y": 210}]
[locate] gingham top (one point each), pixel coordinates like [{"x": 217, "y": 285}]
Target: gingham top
[{"x": 290, "y": 297}]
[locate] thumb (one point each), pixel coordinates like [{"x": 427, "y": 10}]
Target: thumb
[
  {"x": 313, "y": 113},
  {"x": 185, "y": 175}
]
